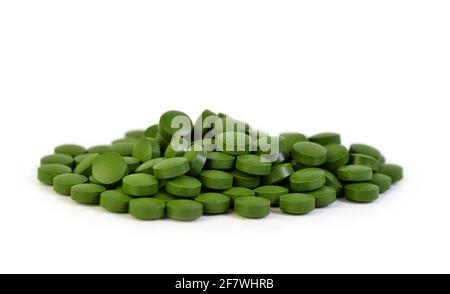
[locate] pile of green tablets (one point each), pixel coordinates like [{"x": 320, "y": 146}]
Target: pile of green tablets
[{"x": 182, "y": 170}]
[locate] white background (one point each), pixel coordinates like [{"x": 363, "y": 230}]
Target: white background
[{"x": 378, "y": 72}]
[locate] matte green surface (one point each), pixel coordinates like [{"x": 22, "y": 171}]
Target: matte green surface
[
  {"x": 309, "y": 153},
  {"x": 70, "y": 149},
  {"x": 147, "y": 167},
  {"x": 176, "y": 148},
  {"x": 233, "y": 143},
  {"x": 383, "y": 182},
  {"x": 395, "y": 172},
  {"x": 64, "y": 182},
  {"x": 109, "y": 168},
  {"x": 47, "y": 172},
  {"x": 58, "y": 158},
  {"x": 164, "y": 196},
  {"x": 297, "y": 203},
  {"x": 115, "y": 201},
  {"x": 237, "y": 192},
  {"x": 355, "y": 173},
  {"x": 367, "y": 150},
  {"x": 214, "y": 203},
  {"x": 337, "y": 156},
  {"x": 85, "y": 166},
  {"x": 361, "y": 192},
  {"x": 333, "y": 182},
  {"x": 147, "y": 208},
  {"x": 197, "y": 159},
  {"x": 140, "y": 185},
  {"x": 146, "y": 149},
  {"x": 123, "y": 148},
  {"x": 253, "y": 164},
  {"x": 100, "y": 149},
  {"x": 307, "y": 179},
  {"x": 168, "y": 126},
  {"x": 171, "y": 168},
  {"x": 80, "y": 158},
  {"x": 135, "y": 134},
  {"x": 220, "y": 161},
  {"x": 151, "y": 131},
  {"x": 362, "y": 159},
  {"x": 326, "y": 138},
  {"x": 291, "y": 138},
  {"x": 278, "y": 174},
  {"x": 132, "y": 164},
  {"x": 271, "y": 193},
  {"x": 87, "y": 193},
  {"x": 241, "y": 179},
  {"x": 252, "y": 207},
  {"x": 184, "y": 186},
  {"x": 184, "y": 210},
  {"x": 324, "y": 196},
  {"x": 216, "y": 179}
]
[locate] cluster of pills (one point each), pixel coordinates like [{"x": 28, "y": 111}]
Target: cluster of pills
[{"x": 183, "y": 170}]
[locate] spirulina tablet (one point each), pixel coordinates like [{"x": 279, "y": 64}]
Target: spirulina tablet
[
  {"x": 58, "y": 158},
  {"x": 125, "y": 140},
  {"x": 172, "y": 122},
  {"x": 361, "y": 192},
  {"x": 64, "y": 182},
  {"x": 326, "y": 138},
  {"x": 79, "y": 158},
  {"x": 47, "y": 172},
  {"x": 367, "y": 150},
  {"x": 123, "y": 148},
  {"x": 146, "y": 149},
  {"x": 163, "y": 143},
  {"x": 70, "y": 149},
  {"x": 333, "y": 182},
  {"x": 252, "y": 207},
  {"x": 291, "y": 138},
  {"x": 197, "y": 159},
  {"x": 171, "y": 168},
  {"x": 237, "y": 192},
  {"x": 147, "y": 167},
  {"x": 85, "y": 166},
  {"x": 337, "y": 156},
  {"x": 392, "y": 170},
  {"x": 214, "y": 203},
  {"x": 324, "y": 196},
  {"x": 115, "y": 201},
  {"x": 253, "y": 164},
  {"x": 216, "y": 179},
  {"x": 307, "y": 179},
  {"x": 176, "y": 148},
  {"x": 219, "y": 160},
  {"x": 184, "y": 186},
  {"x": 109, "y": 168},
  {"x": 233, "y": 143},
  {"x": 271, "y": 193},
  {"x": 241, "y": 179},
  {"x": 99, "y": 149},
  {"x": 184, "y": 210},
  {"x": 147, "y": 208},
  {"x": 309, "y": 153},
  {"x": 132, "y": 163},
  {"x": 278, "y": 174},
  {"x": 151, "y": 131},
  {"x": 135, "y": 134},
  {"x": 355, "y": 173},
  {"x": 140, "y": 185},
  {"x": 87, "y": 193},
  {"x": 362, "y": 159},
  {"x": 383, "y": 181},
  {"x": 297, "y": 203},
  {"x": 164, "y": 196}
]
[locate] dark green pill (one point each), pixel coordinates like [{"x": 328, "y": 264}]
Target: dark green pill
[
  {"x": 219, "y": 160},
  {"x": 297, "y": 203},
  {"x": 291, "y": 138},
  {"x": 271, "y": 193},
  {"x": 123, "y": 148},
  {"x": 176, "y": 148},
  {"x": 172, "y": 122},
  {"x": 146, "y": 149},
  {"x": 233, "y": 143},
  {"x": 333, "y": 182},
  {"x": 64, "y": 182},
  {"x": 70, "y": 149},
  {"x": 171, "y": 168},
  {"x": 115, "y": 201},
  {"x": 392, "y": 170},
  {"x": 147, "y": 208},
  {"x": 307, "y": 179},
  {"x": 237, "y": 192},
  {"x": 85, "y": 166},
  {"x": 253, "y": 164},
  {"x": 184, "y": 186},
  {"x": 278, "y": 174},
  {"x": 151, "y": 131},
  {"x": 140, "y": 185},
  {"x": 362, "y": 159},
  {"x": 214, "y": 203},
  {"x": 147, "y": 167},
  {"x": 132, "y": 163},
  {"x": 355, "y": 173},
  {"x": 100, "y": 149},
  {"x": 109, "y": 168},
  {"x": 361, "y": 192},
  {"x": 337, "y": 156},
  {"x": 241, "y": 179},
  {"x": 164, "y": 196},
  {"x": 326, "y": 138},
  {"x": 309, "y": 153},
  {"x": 383, "y": 181},
  {"x": 79, "y": 158},
  {"x": 47, "y": 172},
  {"x": 196, "y": 158},
  {"x": 367, "y": 150},
  {"x": 184, "y": 210},
  {"x": 87, "y": 193},
  {"x": 324, "y": 196},
  {"x": 58, "y": 158},
  {"x": 216, "y": 179},
  {"x": 252, "y": 207}
]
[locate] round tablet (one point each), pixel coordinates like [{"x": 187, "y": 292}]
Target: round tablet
[
  {"x": 172, "y": 122},
  {"x": 233, "y": 143},
  {"x": 291, "y": 138},
  {"x": 237, "y": 192},
  {"x": 171, "y": 168},
  {"x": 216, "y": 179},
  {"x": 392, "y": 170},
  {"x": 99, "y": 149},
  {"x": 219, "y": 160},
  {"x": 204, "y": 122},
  {"x": 355, "y": 173},
  {"x": 135, "y": 134},
  {"x": 271, "y": 193},
  {"x": 297, "y": 203},
  {"x": 147, "y": 208},
  {"x": 147, "y": 167},
  {"x": 123, "y": 148},
  {"x": 337, "y": 156},
  {"x": 184, "y": 210},
  {"x": 70, "y": 149},
  {"x": 115, "y": 201},
  {"x": 132, "y": 163},
  {"x": 362, "y": 159},
  {"x": 253, "y": 164},
  {"x": 146, "y": 149},
  {"x": 241, "y": 179},
  {"x": 79, "y": 158},
  {"x": 333, "y": 182},
  {"x": 176, "y": 148},
  {"x": 326, "y": 138},
  {"x": 140, "y": 185},
  {"x": 85, "y": 166},
  {"x": 47, "y": 172},
  {"x": 197, "y": 159},
  {"x": 124, "y": 140},
  {"x": 214, "y": 203},
  {"x": 278, "y": 174},
  {"x": 151, "y": 131},
  {"x": 164, "y": 196},
  {"x": 64, "y": 182},
  {"x": 87, "y": 193},
  {"x": 184, "y": 186},
  {"x": 109, "y": 168},
  {"x": 307, "y": 179},
  {"x": 309, "y": 153},
  {"x": 324, "y": 196},
  {"x": 252, "y": 207},
  {"x": 367, "y": 150},
  {"x": 383, "y": 181},
  {"x": 361, "y": 192},
  {"x": 58, "y": 158}
]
